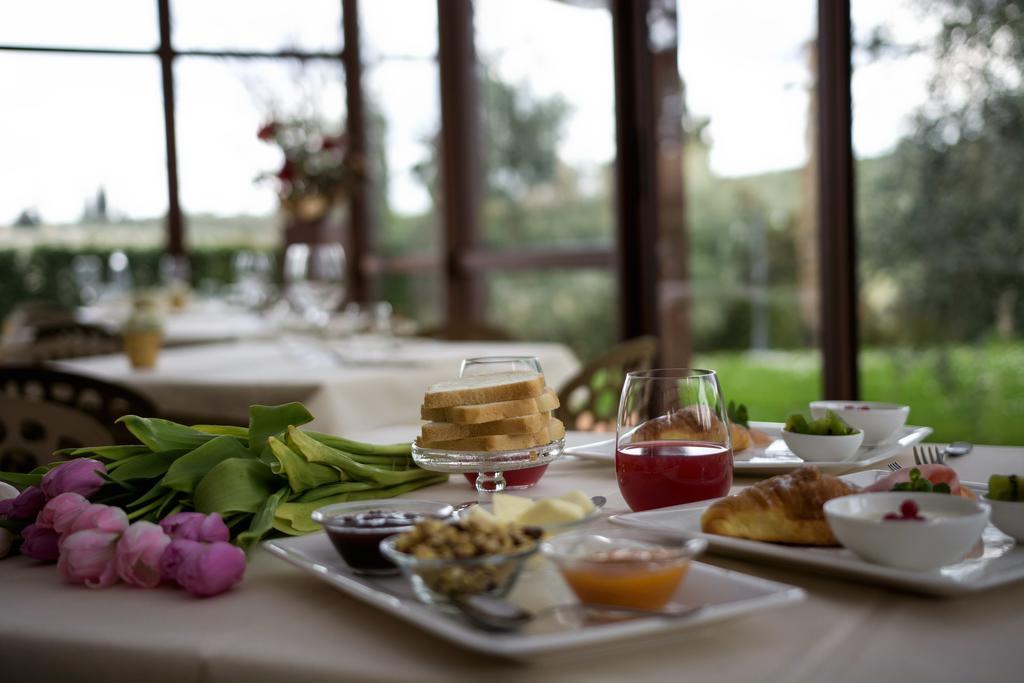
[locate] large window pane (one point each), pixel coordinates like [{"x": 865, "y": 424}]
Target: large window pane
[
  {"x": 548, "y": 122},
  {"x": 569, "y": 306},
  {"x": 124, "y": 24},
  {"x": 750, "y": 174},
  {"x": 400, "y": 59},
  {"x": 259, "y": 25},
  {"x": 384, "y": 37},
  {"x": 414, "y": 296},
  {"x": 83, "y": 167},
  {"x": 221, "y": 104},
  {"x": 403, "y": 147},
  {"x": 938, "y": 114}
]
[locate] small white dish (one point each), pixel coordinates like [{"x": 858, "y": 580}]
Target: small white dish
[
  {"x": 1007, "y": 516},
  {"x": 951, "y": 526},
  {"x": 823, "y": 448},
  {"x": 878, "y": 421}
]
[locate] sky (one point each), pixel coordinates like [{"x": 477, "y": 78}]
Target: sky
[{"x": 72, "y": 123}]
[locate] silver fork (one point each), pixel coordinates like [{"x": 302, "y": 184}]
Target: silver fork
[
  {"x": 895, "y": 466},
  {"x": 928, "y": 455}
]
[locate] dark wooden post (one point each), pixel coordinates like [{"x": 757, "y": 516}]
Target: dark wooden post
[
  {"x": 460, "y": 158},
  {"x": 651, "y": 253},
  {"x": 836, "y": 226},
  {"x": 361, "y": 215},
  {"x": 175, "y": 223}
]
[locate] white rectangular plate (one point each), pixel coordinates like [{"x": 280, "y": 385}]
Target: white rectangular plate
[
  {"x": 723, "y": 594},
  {"x": 997, "y": 562},
  {"x": 776, "y": 458}
]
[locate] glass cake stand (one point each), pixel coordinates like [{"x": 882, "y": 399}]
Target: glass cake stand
[{"x": 489, "y": 465}]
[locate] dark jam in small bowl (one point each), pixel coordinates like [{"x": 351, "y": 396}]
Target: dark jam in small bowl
[{"x": 356, "y": 529}]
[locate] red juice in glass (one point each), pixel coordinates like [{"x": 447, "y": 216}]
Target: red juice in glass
[{"x": 656, "y": 474}]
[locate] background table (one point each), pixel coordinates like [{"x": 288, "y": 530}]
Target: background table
[
  {"x": 347, "y": 386},
  {"x": 202, "y": 321},
  {"x": 281, "y": 625}
]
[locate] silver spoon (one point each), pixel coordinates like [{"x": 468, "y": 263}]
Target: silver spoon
[
  {"x": 496, "y": 614},
  {"x": 958, "y": 448},
  {"x": 598, "y": 501}
]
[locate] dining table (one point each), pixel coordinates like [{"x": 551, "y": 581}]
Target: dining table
[
  {"x": 280, "y": 624},
  {"x": 355, "y": 383}
]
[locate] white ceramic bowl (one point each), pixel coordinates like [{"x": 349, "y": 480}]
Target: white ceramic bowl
[
  {"x": 1008, "y": 516},
  {"x": 819, "y": 448},
  {"x": 879, "y": 421},
  {"x": 951, "y": 527}
]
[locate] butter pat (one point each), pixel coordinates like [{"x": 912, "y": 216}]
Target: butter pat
[
  {"x": 577, "y": 497},
  {"x": 550, "y": 511},
  {"x": 507, "y": 508},
  {"x": 482, "y": 517}
]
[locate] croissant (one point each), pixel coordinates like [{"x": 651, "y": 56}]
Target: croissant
[{"x": 783, "y": 509}]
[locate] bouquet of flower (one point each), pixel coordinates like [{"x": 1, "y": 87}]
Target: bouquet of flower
[
  {"x": 318, "y": 167},
  {"x": 180, "y": 506}
]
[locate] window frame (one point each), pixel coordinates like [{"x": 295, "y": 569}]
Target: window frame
[{"x": 649, "y": 208}]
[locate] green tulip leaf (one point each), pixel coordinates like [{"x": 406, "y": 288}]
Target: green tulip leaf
[
  {"x": 188, "y": 471},
  {"x": 314, "y": 451},
  {"x": 268, "y": 421},
  {"x": 235, "y": 485},
  {"x": 20, "y": 480},
  {"x": 110, "y": 453},
  {"x": 302, "y": 475},
  {"x": 263, "y": 520},
  {"x": 224, "y": 430},
  {"x": 298, "y": 516},
  {"x": 146, "y": 466},
  {"x": 163, "y": 435}
]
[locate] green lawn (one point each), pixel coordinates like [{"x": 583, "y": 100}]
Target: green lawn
[{"x": 973, "y": 393}]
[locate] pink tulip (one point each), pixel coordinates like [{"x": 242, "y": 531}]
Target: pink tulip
[
  {"x": 139, "y": 552},
  {"x": 40, "y": 543},
  {"x": 6, "y": 542},
  {"x": 174, "y": 555},
  {"x": 203, "y": 569},
  {"x": 81, "y": 476},
  {"x": 59, "y": 512},
  {"x": 98, "y": 517},
  {"x": 89, "y": 557},
  {"x": 195, "y": 526},
  {"x": 26, "y": 505}
]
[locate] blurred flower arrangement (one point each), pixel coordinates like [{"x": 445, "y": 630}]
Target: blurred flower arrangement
[{"x": 318, "y": 169}]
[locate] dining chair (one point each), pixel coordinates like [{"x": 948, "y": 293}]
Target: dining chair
[
  {"x": 590, "y": 400},
  {"x": 44, "y": 410}
]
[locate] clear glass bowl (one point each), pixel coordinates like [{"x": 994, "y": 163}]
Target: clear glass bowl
[
  {"x": 434, "y": 581},
  {"x": 359, "y": 546},
  {"x": 489, "y": 465},
  {"x": 625, "y": 568}
]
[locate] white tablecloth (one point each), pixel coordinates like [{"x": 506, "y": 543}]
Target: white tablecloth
[
  {"x": 202, "y": 321},
  {"x": 346, "y": 387},
  {"x": 281, "y": 625}
]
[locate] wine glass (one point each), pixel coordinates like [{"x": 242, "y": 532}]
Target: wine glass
[
  {"x": 672, "y": 441},
  {"x": 490, "y": 365},
  {"x": 87, "y": 273},
  {"x": 314, "y": 277},
  {"x": 253, "y": 273},
  {"x": 175, "y": 272}
]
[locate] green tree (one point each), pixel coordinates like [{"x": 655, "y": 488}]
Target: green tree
[{"x": 945, "y": 219}]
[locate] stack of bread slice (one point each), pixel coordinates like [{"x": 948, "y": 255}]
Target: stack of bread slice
[{"x": 498, "y": 412}]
